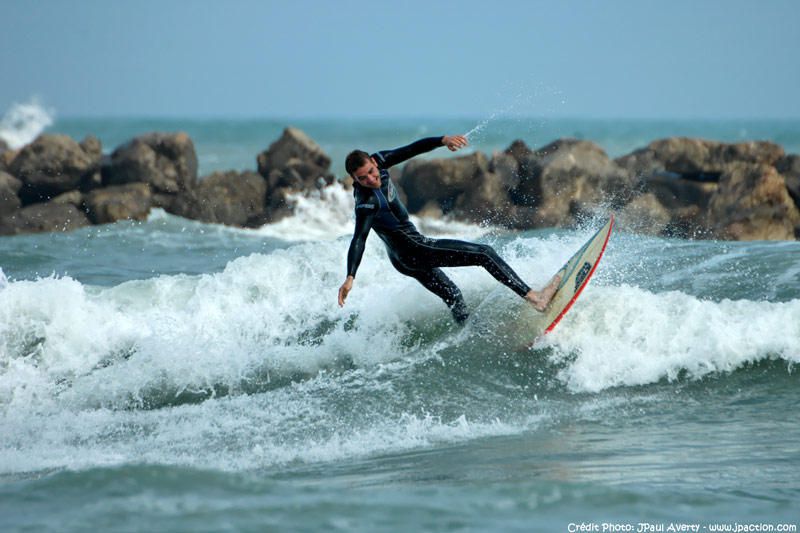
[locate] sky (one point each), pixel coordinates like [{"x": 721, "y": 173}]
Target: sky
[{"x": 339, "y": 58}]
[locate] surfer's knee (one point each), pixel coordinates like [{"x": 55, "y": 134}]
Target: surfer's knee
[{"x": 488, "y": 254}]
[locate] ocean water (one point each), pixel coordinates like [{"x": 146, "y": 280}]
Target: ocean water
[{"x": 177, "y": 376}]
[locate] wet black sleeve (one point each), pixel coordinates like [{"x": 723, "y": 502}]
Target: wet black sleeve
[
  {"x": 388, "y": 158},
  {"x": 364, "y": 220}
]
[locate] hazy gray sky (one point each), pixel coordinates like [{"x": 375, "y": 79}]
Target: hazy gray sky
[{"x": 309, "y": 58}]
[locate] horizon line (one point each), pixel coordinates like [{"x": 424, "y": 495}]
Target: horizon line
[{"x": 321, "y": 118}]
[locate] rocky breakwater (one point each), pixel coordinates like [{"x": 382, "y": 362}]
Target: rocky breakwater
[
  {"x": 58, "y": 184},
  {"x": 293, "y": 164},
  {"x": 675, "y": 187}
]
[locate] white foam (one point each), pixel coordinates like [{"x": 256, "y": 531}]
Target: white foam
[
  {"x": 22, "y": 123},
  {"x": 236, "y": 433},
  {"x": 80, "y": 366},
  {"x": 625, "y": 336},
  {"x": 322, "y": 215},
  {"x": 327, "y": 214},
  {"x": 62, "y": 341}
]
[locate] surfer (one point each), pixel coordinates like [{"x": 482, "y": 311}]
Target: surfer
[{"x": 378, "y": 207}]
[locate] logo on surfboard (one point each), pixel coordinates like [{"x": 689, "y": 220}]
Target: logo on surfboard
[{"x": 582, "y": 273}]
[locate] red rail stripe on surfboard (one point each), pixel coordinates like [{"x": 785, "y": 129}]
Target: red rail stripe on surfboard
[{"x": 586, "y": 282}]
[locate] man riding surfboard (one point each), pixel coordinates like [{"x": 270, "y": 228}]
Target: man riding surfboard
[{"x": 378, "y": 207}]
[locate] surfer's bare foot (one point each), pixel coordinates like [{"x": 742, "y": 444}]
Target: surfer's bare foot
[{"x": 541, "y": 299}]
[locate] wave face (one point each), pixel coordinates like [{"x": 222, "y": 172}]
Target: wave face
[{"x": 254, "y": 366}]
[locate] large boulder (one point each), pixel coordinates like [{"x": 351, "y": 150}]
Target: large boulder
[
  {"x": 6, "y": 157},
  {"x": 487, "y": 198},
  {"x": 697, "y": 159},
  {"x": 232, "y": 198},
  {"x": 43, "y": 217},
  {"x": 789, "y": 167},
  {"x": 569, "y": 178},
  {"x": 686, "y": 201},
  {"x": 9, "y": 190},
  {"x": 442, "y": 180},
  {"x": 165, "y": 161},
  {"x": 298, "y": 175},
  {"x": 51, "y": 165},
  {"x": 644, "y": 214},
  {"x": 94, "y": 149},
  {"x": 118, "y": 202},
  {"x": 675, "y": 193},
  {"x": 293, "y": 164},
  {"x": 752, "y": 203},
  {"x": 293, "y": 144}
]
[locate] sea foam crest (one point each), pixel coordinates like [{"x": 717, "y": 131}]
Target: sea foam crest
[
  {"x": 627, "y": 336},
  {"x": 328, "y": 214},
  {"x": 262, "y": 316},
  {"x": 22, "y": 123}
]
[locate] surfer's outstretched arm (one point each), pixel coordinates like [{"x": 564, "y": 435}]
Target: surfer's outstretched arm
[
  {"x": 364, "y": 218},
  {"x": 388, "y": 158}
]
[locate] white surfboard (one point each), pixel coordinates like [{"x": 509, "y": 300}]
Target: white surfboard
[{"x": 576, "y": 274}]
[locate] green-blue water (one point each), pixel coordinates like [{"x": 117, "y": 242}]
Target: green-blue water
[{"x": 177, "y": 376}]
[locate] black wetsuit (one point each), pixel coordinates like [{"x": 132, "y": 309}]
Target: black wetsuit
[{"x": 410, "y": 252}]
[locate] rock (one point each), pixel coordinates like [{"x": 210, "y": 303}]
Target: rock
[
  {"x": 6, "y": 158},
  {"x": 92, "y": 147},
  {"x": 165, "y": 161},
  {"x": 9, "y": 189},
  {"x": 293, "y": 164},
  {"x": 299, "y": 175},
  {"x": 164, "y": 201},
  {"x": 569, "y": 178},
  {"x": 51, "y": 165},
  {"x": 280, "y": 204},
  {"x": 432, "y": 209},
  {"x": 697, "y": 159},
  {"x": 789, "y": 167},
  {"x": 119, "y": 202},
  {"x": 441, "y": 180},
  {"x": 3, "y": 146},
  {"x": 752, "y": 203},
  {"x": 506, "y": 168},
  {"x": 520, "y": 151},
  {"x": 293, "y": 144},
  {"x": 643, "y": 164},
  {"x": 231, "y": 198},
  {"x": 72, "y": 197},
  {"x": 644, "y": 214},
  {"x": 676, "y": 193},
  {"x": 347, "y": 182},
  {"x": 486, "y": 201},
  {"x": 43, "y": 217}
]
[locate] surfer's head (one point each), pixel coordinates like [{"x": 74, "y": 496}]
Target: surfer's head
[{"x": 363, "y": 169}]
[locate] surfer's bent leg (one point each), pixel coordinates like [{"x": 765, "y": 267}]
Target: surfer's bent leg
[
  {"x": 439, "y": 284},
  {"x": 453, "y": 253}
]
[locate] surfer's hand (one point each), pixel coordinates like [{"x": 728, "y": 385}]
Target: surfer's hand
[
  {"x": 454, "y": 142},
  {"x": 344, "y": 290}
]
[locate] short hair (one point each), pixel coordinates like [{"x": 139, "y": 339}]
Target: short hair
[{"x": 355, "y": 160}]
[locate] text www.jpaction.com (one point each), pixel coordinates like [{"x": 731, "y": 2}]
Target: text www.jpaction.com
[{"x": 677, "y": 527}]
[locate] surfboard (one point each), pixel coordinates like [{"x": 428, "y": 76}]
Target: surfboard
[{"x": 576, "y": 274}]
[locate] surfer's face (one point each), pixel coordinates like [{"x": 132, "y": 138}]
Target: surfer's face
[{"x": 367, "y": 175}]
